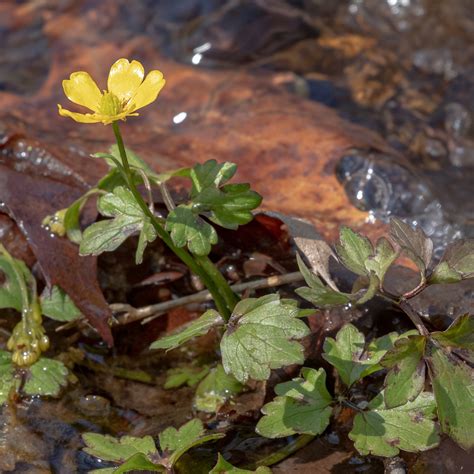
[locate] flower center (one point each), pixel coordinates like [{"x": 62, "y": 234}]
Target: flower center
[{"x": 110, "y": 104}]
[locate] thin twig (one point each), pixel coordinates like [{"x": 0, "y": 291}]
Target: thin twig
[
  {"x": 137, "y": 314},
  {"x": 131, "y": 314}
]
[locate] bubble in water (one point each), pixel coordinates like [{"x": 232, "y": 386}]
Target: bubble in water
[{"x": 376, "y": 183}]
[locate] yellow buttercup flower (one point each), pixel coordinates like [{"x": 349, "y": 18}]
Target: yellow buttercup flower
[{"x": 127, "y": 92}]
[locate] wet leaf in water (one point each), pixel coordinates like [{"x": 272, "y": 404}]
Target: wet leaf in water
[
  {"x": 46, "y": 377},
  {"x": 215, "y": 390},
  {"x": 303, "y": 406},
  {"x": 138, "y": 462},
  {"x": 224, "y": 467},
  {"x": 384, "y": 432},
  {"x": 175, "y": 442},
  {"x": 189, "y": 376},
  {"x": 108, "y": 448}
]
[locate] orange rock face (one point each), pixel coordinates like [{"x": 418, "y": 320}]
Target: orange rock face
[{"x": 285, "y": 147}]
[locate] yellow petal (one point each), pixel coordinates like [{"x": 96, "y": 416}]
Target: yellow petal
[
  {"x": 148, "y": 91},
  {"x": 82, "y": 118},
  {"x": 125, "y": 78},
  {"x": 81, "y": 89}
]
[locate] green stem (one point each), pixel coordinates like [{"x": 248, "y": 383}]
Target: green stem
[
  {"x": 201, "y": 266},
  {"x": 230, "y": 298}
]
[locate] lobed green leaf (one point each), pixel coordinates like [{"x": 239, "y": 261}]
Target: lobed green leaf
[
  {"x": 187, "y": 228},
  {"x": 303, "y": 405},
  {"x": 405, "y": 379},
  {"x": 261, "y": 336},
  {"x": 453, "y": 386},
  {"x": 383, "y": 431}
]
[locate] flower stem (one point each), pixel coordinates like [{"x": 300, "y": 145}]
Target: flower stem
[{"x": 224, "y": 298}]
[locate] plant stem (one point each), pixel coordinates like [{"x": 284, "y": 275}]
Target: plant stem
[{"x": 201, "y": 266}]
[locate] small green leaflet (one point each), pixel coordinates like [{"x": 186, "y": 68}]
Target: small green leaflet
[
  {"x": 187, "y": 375},
  {"x": 459, "y": 335},
  {"x": 413, "y": 242},
  {"x": 187, "y": 228},
  {"x": 174, "y": 443},
  {"x": 261, "y": 336},
  {"x": 229, "y": 206},
  {"x": 128, "y": 219},
  {"x": 453, "y": 387},
  {"x": 358, "y": 255},
  {"x": 406, "y": 378},
  {"x": 210, "y": 175},
  {"x": 108, "y": 448},
  {"x": 457, "y": 263},
  {"x": 317, "y": 293},
  {"x": 303, "y": 405},
  {"x": 353, "y": 250},
  {"x": 215, "y": 390},
  {"x": 224, "y": 467},
  {"x": 348, "y": 354},
  {"x": 45, "y": 377},
  {"x": 198, "y": 327},
  {"x": 137, "y": 462},
  {"x": 384, "y": 256},
  {"x": 17, "y": 276},
  {"x": 384, "y": 432},
  {"x": 57, "y": 305},
  {"x": 141, "y": 453},
  {"x": 72, "y": 217}
]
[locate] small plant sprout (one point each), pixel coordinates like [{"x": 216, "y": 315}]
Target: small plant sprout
[{"x": 24, "y": 368}]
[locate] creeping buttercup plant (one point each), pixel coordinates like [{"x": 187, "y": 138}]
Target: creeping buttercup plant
[{"x": 428, "y": 379}]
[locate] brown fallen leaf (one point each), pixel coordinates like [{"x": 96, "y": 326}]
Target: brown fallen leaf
[{"x": 28, "y": 196}]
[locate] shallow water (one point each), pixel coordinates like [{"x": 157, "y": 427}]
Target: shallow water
[{"x": 401, "y": 68}]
